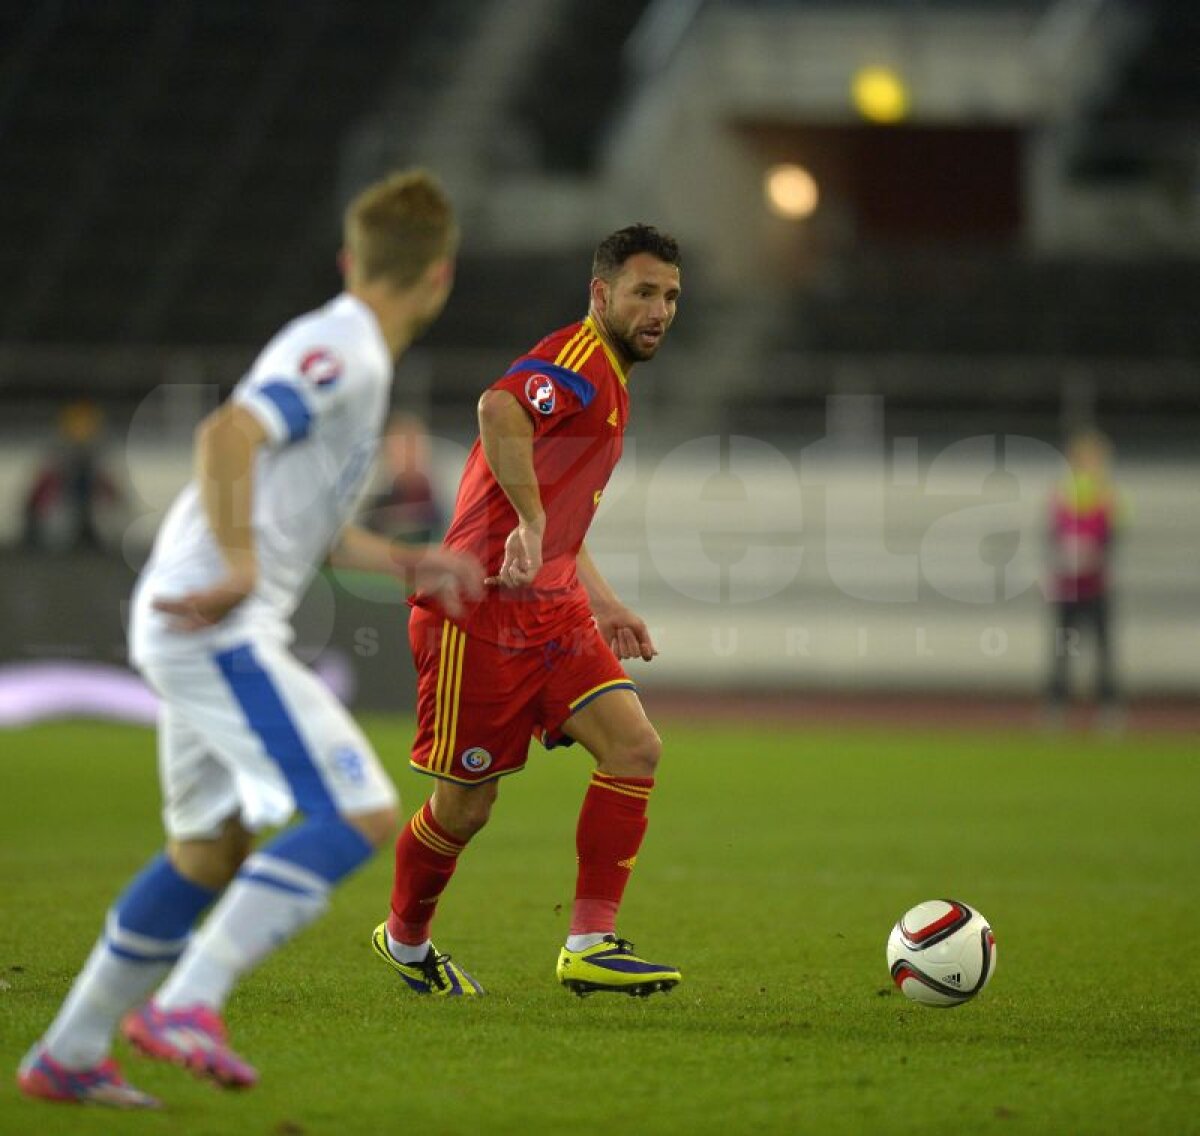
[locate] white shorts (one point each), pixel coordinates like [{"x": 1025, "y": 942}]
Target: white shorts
[{"x": 251, "y": 732}]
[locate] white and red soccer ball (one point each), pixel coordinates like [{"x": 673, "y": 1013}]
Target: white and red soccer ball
[{"x": 941, "y": 953}]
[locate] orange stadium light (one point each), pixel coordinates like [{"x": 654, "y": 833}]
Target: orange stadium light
[{"x": 791, "y": 191}]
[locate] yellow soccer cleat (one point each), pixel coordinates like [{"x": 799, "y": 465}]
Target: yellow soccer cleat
[
  {"x": 434, "y": 974},
  {"x": 612, "y": 966}
]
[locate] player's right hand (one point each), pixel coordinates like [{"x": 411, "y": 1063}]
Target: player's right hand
[
  {"x": 450, "y": 577},
  {"x": 522, "y": 558}
]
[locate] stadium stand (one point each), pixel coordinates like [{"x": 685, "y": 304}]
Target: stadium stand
[
  {"x": 172, "y": 171},
  {"x": 1145, "y": 125},
  {"x": 961, "y": 302},
  {"x": 566, "y": 108},
  {"x": 171, "y": 166}
]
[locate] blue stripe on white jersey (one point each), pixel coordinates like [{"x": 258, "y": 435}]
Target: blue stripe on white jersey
[{"x": 286, "y": 398}]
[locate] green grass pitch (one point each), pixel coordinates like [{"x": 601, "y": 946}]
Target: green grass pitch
[{"x": 776, "y": 862}]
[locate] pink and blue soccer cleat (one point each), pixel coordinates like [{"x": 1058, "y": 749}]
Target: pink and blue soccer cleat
[
  {"x": 43, "y": 1078},
  {"x": 194, "y": 1038}
]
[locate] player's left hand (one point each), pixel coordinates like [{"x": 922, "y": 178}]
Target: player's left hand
[
  {"x": 206, "y": 607},
  {"x": 626, "y": 633}
]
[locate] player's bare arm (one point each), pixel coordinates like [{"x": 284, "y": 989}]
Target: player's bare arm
[
  {"x": 506, "y": 435},
  {"x": 446, "y": 575},
  {"x": 227, "y": 442},
  {"x": 622, "y": 628}
]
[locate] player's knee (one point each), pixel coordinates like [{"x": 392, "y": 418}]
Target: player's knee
[
  {"x": 214, "y": 861},
  {"x": 380, "y": 827},
  {"x": 634, "y": 756},
  {"x": 462, "y": 810}
]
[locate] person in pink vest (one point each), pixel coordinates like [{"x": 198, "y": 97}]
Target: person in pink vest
[{"x": 1084, "y": 516}]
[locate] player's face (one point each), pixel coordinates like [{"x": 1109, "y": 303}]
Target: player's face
[{"x": 638, "y": 305}]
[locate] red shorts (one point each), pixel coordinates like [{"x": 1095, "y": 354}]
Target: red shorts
[{"x": 479, "y": 703}]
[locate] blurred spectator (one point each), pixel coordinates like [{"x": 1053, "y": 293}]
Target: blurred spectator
[
  {"x": 407, "y": 508},
  {"x": 71, "y": 490},
  {"x": 1084, "y": 517}
]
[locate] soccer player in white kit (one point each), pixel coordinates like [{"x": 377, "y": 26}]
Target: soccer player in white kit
[{"x": 247, "y": 735}]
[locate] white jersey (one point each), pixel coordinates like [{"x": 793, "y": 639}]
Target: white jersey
[{"x": 321, "y": 390}]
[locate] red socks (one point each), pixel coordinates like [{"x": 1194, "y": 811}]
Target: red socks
[
  {"x": 612, "y": 823},
  {"x": 426, "y": 856}
]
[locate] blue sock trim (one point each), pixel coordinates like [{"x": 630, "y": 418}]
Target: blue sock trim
[
  {"x": 140, "y": 956},
  {"x": 328, "y": 847},
  {"x": 270, "y": 881},
  {"x": 160, "y": 903}
]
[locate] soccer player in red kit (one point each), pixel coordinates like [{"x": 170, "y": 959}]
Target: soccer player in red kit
[{"x": 540, "y": 654}]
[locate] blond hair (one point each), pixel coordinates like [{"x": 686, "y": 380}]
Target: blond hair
[{"x": 398, "y": 226}]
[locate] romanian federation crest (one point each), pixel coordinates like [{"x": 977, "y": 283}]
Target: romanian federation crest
[{"x": 476, "y": 759}]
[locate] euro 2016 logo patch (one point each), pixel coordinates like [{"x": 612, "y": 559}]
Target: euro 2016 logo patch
[
  {"x": 321, "y": 366},
  {"x": 476, "y": 759},
  {"x": 540, "y": 392}
]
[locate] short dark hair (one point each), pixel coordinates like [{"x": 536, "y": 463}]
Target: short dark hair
[{"x": 618, "y": 247}]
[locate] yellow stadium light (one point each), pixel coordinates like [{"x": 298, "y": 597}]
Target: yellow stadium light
[
  {"x": 791, "y": 191},
  {"x": 880, "y": 94}
]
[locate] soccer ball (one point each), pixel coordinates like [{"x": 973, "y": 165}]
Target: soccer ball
[{"x": 941, "y": 953}]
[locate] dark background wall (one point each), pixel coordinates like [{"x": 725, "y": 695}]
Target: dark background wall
[{"x": 73, "y": 607}]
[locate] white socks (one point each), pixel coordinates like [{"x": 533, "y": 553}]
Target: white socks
[
  {"x": 402, "y": 952},
  {"x": 109, "y": 985},
  {"x": 269, "y": 902},
  {"x": 582, "y": 942}
]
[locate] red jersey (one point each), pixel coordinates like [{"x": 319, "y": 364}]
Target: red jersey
[
  {"x": 573, "y": 389},
  {"x": 1082, "y": 523}
]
